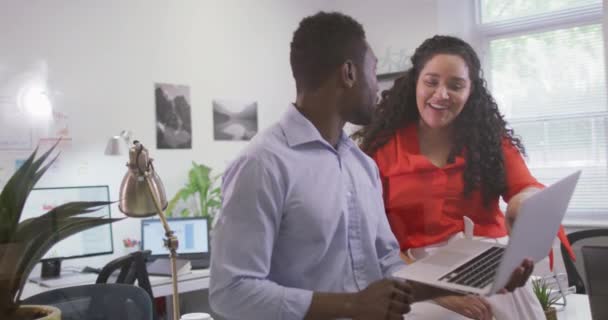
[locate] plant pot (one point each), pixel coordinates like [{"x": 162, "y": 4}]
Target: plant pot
[
  {"x": 551, "y": 313},
  {"x": 36, "y": 312}
]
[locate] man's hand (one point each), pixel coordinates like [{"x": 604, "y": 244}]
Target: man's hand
[
  {"x": 520, "y": 276},
  {"x": 470, "y": 306},
  {"x": 383, "y": 299}
]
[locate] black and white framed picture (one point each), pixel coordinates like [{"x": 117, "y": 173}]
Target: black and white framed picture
[
  {"x": 393, "y": 61},
  {"x": 234, "y": 120},
  {"x": 173, "y": 116}
]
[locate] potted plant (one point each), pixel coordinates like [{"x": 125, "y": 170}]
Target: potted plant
[
  {"x": 22, "y": 244},
  {"x": 546, "y": 297},
  {"x": 202, "y": 186}
]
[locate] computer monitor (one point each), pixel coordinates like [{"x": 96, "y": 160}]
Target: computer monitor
[
  {"x": 192, "y": 234},
  {"x": 91, "y": 242}
]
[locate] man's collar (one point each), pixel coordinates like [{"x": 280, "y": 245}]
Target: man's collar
[{"x": 299, "y": 130}]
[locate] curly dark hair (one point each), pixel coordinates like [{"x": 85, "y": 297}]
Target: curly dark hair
[
  {"x": 321, "y": 44},
  {"x": 479, "y": 128}
]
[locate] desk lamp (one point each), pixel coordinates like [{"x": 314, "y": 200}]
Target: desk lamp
[
  {"x": 115, "y": 146},
  {"x": 142, "y": 195}
]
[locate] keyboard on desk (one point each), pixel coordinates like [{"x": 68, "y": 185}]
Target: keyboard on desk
[{"x": 67, "y": 280}]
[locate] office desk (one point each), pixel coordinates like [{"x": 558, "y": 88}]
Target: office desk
[
  {"x": 577, "y": 308},
  {"x": 161, "y": 286}
]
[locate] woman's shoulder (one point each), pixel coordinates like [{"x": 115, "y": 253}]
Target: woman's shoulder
[
  {"x": 404, "y": 138},
  {"x": 398, "y": 150},
  {"x": 509, "y": 149}
]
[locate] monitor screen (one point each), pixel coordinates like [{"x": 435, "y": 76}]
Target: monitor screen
[
  {"x": 91, "y": 242},
  {"x": 192, "y": 234}
]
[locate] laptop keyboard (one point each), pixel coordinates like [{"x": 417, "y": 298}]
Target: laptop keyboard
[{"x": 477, "y": 272}]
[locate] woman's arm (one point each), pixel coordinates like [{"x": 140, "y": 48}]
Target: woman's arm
[{"x": 514, "y": 205}]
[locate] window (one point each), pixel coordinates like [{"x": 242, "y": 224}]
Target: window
[
  {"x": 545, "y": 63},
  {"x": 501, "y": 10}
]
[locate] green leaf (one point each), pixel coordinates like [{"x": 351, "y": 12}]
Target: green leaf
[
  {"x": 200, "y": 184},
  {"x": 544, "y": 293},
  {"x": 38, "y": 246},
  {"x": 185, "y": 213},
  {"x": 56, "y": 215},
  {"x": 182, "y": 194},
  {"x": 188, "y": 191},
  {"x": 10, "y": 196},
  {"x": 214, "y": 203},
  {"x": 199, "y": 176},
  {"x": 16, "y": 190}
]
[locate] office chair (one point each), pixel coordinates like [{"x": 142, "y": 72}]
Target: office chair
[
  {"x": 98, "y": 302},
  {"x": 596, "y": 263},
  {"x": 578, "y": 239},
  {"x": 130, "y": 267}
]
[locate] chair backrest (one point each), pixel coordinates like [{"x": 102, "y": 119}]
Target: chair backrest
[
  {"x": 130, "y": 267},
  {"x": 98, "y": 301},
  {"x": 576, "y": 269},
  {"x": 596, "y": 264}
]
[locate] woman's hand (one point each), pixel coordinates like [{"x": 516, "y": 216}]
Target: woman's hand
[
  {"x": 470, "y": 306},
  {"x": 514, "y": 205},
  {"x": 405, "y": 257}
]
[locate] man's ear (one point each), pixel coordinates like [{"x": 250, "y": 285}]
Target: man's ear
[{"x": 349, "y": 74}]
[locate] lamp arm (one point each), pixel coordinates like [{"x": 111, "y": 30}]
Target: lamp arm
[{"x": 171, "y": 243}]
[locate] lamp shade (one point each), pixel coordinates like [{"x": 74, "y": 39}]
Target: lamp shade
[
  {"x": 135, "y": 195},
  {"x": 114, "y": 146}
]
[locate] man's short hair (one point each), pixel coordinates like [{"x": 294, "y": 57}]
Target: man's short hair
[{"x": 322, "y": 43}]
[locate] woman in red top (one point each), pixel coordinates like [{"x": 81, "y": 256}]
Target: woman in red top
[{"x": 445, "y": 152}]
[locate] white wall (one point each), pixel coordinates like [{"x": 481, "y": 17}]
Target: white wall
[
  {"x": 101, "y": 59},
  {"x": 393, "y": 26}
]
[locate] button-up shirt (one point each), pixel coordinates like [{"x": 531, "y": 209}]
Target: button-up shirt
[
  {"x": 425, "y": 204},
  {"x": 298, "y": 216}
]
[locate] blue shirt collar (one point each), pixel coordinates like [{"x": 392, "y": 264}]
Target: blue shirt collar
[{"x": 299, "y": 130}]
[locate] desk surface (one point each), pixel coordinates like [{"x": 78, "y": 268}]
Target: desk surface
[
  {"x": 161, "y": 286},
  {"x": 577, "y": 308}
]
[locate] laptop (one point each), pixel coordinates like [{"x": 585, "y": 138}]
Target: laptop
[
  {"x": 192, "y": 234},
  {"x": 483, "y": 268},
  {"x": 596, "y": 263}
]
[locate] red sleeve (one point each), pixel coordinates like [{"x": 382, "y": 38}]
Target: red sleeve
[{"x": 518, "y": 177}]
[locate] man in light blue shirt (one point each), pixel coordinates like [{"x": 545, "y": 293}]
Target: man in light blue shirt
[{"x": 303, "y": 232}]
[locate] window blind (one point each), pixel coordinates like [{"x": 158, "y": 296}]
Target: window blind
[{"x": 551, "y": 86}]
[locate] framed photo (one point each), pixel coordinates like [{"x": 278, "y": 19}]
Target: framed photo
[
  {"x": 173, "y": 116},
  {"x": 234, "y": 120}
]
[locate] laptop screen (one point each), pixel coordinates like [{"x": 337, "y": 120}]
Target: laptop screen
[{"x": 192, "y": 234}]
